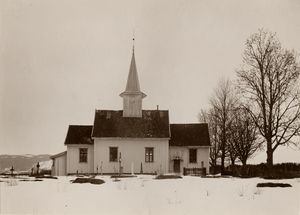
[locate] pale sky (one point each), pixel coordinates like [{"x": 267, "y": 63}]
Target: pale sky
[{"x": 62, "y": 59}]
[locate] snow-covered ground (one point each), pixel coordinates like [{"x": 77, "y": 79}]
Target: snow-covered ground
[{"x": 143, "y": 196}]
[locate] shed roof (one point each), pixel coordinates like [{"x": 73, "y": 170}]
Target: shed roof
[
  {"x": 189, "y": 135},
  {"x": 58, "y": 155},
  {"x": 79, "y": 134}
]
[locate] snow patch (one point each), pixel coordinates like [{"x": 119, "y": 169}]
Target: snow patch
[{"x": 143, "y": 195}]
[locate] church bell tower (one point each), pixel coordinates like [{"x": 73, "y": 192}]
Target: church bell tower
[{"x": 132, "y": 96}]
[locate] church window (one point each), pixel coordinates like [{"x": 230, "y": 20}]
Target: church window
[
  {"x": 83, "y": 155},
  {"x": 149, "y": 154},
  {"x": 193, "y": 155},
  {"x": 113, "y": 154}
]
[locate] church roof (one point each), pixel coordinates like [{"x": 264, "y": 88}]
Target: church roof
[
  {"x": 152, "y": 124},
  {"x": 189, "y": 135},
  {"x": 79, "y": 134}
]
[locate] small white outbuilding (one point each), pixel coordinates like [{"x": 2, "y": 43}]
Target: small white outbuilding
[{"x": 59, "y": 164}]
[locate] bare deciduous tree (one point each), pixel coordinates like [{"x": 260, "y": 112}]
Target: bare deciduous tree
[
  {"x": 214, "y": 152},
  {"x": 269, "y": 80},
  {"x": 222, "y": 104},
  {"x": 243, "y": 139}
]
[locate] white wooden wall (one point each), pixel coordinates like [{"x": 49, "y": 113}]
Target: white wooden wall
[
  {"x": 183, "y": 153},
  {"x": 73, "y": 164},
  {"x": 133, "y": 154}
]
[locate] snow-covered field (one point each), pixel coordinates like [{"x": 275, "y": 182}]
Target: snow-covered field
[{"x": 143, "y": 196}]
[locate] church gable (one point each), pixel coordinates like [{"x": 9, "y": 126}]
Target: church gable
[{"x": 152, "y": 124}]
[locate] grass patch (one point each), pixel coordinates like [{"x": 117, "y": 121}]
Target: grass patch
[
  {"x": 88, "y": 180},
  {"x": 270, "y": 184},
  {"x": 168, "y": 177}
]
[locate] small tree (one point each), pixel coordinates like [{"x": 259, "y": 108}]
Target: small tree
[
  {"x": 243, "y": 138},
  {"x": 214, "y": 134},
  {"x": 222, "y": 103}
]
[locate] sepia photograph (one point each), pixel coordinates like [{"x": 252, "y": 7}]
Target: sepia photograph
[{"x": 150, "y": 107}]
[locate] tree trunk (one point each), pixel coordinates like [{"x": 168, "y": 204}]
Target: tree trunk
[
  {"x": 269, "y": 159},
  {"x": 214, "y": 165},
  {"x": 269, "y": 154},
  {"x": 233, "y": 166},
  {"x": 223, "y": 161},
  {"x": 223, "y": 150},
  {"x": 233, "y": 162}
]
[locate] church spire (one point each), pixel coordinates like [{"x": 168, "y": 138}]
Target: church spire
[
  {"x": 133, "y": 84},
  {"x": 132, "y": 96}
]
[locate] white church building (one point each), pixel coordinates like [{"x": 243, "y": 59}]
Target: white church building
[{"x": 133, "y": 140}]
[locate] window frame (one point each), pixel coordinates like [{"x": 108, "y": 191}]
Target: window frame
[
  {"x": 110, "y": 154},
  {"x": 193, "y": 159},
  {"x": 149, "y": 157},
  {"x": 83, "y": 156}
]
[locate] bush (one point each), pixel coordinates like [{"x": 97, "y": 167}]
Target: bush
[
  {"x": 168, "y": 177},
  {"x": 46, "y": 176},
  {"x": 278, "y": 171},
  {"x": 123, "y": 176},
  {"x": 88, "y": 180},
  {"x": 273, "y": 185}
]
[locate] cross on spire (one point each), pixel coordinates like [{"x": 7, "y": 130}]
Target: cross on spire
[{"x": 133, "y": 40}]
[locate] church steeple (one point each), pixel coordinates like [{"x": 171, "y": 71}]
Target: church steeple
[
  {"x": 132, "y": 96},
  {"x": 133, "y": 84}
]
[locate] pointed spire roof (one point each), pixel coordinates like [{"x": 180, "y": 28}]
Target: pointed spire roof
[{"x": 133, "y": 84}]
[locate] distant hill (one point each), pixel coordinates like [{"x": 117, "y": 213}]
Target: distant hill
[{"x": 21, "y": 162}]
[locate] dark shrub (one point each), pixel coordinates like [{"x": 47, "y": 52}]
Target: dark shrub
[
  {"x": 123, "y": 176},
  {"x": 168, "y": 177},
  {"x": 96, "y": 181},
  {"x": 215, "y": 169},
  {"x": 269, "y": 184},
  {"x": 278, "y": 171},
  {"x": 46, "y": 176},
  {"x": 88, "y": 180}
]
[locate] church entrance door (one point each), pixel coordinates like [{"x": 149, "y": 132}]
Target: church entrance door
[{"x": 177, "y": 166}]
